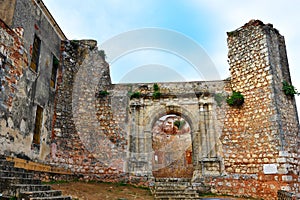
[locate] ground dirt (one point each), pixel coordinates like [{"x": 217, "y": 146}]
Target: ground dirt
[
  {"x": 112, "y": 191},
  {"x": 99, "y": 191}
]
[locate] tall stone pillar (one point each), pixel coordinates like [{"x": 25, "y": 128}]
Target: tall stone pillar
[{"x": 260, "y": 138}]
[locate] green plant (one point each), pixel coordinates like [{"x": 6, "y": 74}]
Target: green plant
[
  {"x": 219, "y": 98},
  {"x": 289, "y": 89},
  {"x": 155, "y": 87},
  {"x": 135, "y": 95},
  {"x": 55, "y": 61},
  {"x": 156, "y": 93},
  {"x": 235, "y": 100},
  {"x": 102, "y": 93},
  {"x": 179, "y": 123}
]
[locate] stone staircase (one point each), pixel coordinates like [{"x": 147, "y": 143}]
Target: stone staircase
[
  {"x": 19, "y": 183},
  {"x": 176, "y": 188}
]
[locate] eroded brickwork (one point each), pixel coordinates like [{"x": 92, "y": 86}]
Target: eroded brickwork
[
  {"x": 80, "y": 142},
  {"x": 98, "y": 129},
  {"x": 258, "y": 138},
  {"x": 26, "y": 90}
]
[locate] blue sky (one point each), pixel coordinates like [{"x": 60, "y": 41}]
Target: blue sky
[{"x": 204, "y": 22}]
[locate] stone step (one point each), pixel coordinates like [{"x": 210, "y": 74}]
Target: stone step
[
  {"x": 175, "y": 192},
  {"x": 5, "y": 162},
  {"x": 16, "y": 180},
  {"x": 20, "y": 183},
  {"x": 21, "y": 188},
  {"x": 5, "y": 173},
  {"x": 48, "y": 193},
  {"x": 174, "y": 188},
  {"x": 11, "y": 168},
  {"x": 172, "y": 184},
  {"x": 173, "y": 180}
]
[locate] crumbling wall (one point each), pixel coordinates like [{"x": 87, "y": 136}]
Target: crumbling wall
[
  {"x": 86, "y": 139},
  {"x": 28, "y": 88},
  {"x": 257, "y": 155}
]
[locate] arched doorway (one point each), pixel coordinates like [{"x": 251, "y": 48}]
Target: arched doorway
[{"x": 172, "y": 147}]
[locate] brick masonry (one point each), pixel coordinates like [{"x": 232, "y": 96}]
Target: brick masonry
[{"x": 94, "y": 128}]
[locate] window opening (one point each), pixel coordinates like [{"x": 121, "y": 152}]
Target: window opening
[
  {"x": 38, "y": 126},
  {"x": 55, "y": 64},
  {"x": 35, "y": 53}
]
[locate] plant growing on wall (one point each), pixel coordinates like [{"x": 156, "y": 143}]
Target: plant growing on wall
[
  {"x": 179, "y": 123},
  {"x": 236, "y": 99},
  {"x": 156, "y": 93},
  {"x": 102, "y": 93},
  {"x": 289, "y": 89},
  {"x": 135, "y": 95}
]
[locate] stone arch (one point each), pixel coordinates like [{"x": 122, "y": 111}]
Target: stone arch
[
  {"x": 155, "y": 114},
  {"x": 188, "y": 115}
]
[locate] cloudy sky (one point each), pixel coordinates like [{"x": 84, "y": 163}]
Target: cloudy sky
[{"x": 190, "y": 25}]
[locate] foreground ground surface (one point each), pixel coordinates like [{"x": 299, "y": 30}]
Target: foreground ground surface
[
  {"x": 112, "y": 191},
  {"x": 95, "y": 191}
]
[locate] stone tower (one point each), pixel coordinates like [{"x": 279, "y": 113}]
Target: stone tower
[{"x": 260, "y": 139}]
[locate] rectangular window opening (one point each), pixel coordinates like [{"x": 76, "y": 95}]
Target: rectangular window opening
[
  {"x": 38, "y": 126},
  {"x": 35, "y": 53},
  {"x": 55, "y": 64}
]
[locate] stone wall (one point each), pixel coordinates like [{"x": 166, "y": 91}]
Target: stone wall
[
  {"x": 260, "y": 138},
  {"x": 79, "y": 139},
  {"x": 26, "y": 89},
  {"x": 95, "y": 128},
  {"x": 99, "y": 129},
  {"x": 7, "y": 9}
]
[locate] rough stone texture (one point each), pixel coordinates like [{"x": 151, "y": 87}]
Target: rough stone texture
[
  {"x": 80, "y": 142},
  {"x": 23, "y": 89},
  {"x": 97, "y": 128},
  {"x": 7, "y": 8},
  {"x": 266, "y": 129}
]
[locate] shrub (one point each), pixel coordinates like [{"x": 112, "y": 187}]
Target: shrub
[
  {"x": 289, "y": 89},
  {"x": 156, "y": 93},
  {"x": 236, "y": 99},
  {"x": 102, "y": 93},
  {"x": 155, "y": 87},
  {"x": 135, "y": 95}
]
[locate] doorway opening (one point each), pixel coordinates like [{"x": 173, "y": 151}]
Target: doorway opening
[{"x": 172, "y": 147}]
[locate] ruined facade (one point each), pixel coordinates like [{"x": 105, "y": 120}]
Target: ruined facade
[
  {"x": 30, "y": 54},
  {"x": 59, "y": 107}
]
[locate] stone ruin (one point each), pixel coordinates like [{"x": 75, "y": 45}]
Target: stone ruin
[{"x": 60, "y": 108}]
